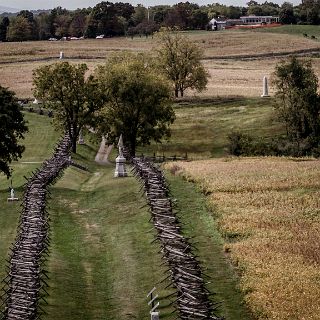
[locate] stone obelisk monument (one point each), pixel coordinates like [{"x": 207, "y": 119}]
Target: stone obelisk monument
[
  {"x": 265, "y": 91},
  {"x": 120, "y": 161}
]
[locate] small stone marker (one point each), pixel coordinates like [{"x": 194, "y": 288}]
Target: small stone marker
[
  {"x": 61, "y": 55},
  {"x": 12, "y": 196},
  {"x": 81, "y": 139},
  {"x": 120, "y": 161},
  {"x": 265, "y": 92},
  {"x": 35, "y": 101}
]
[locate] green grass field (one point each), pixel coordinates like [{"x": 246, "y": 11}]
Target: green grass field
[
  {"x": 102, "y": 262},
  {"x": 202, "y": 126},
  {"x": 297, "y": 30}
]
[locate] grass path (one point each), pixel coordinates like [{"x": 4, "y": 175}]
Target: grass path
[{"x": 102, "y": 263}]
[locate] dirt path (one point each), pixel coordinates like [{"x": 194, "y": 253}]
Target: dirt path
[{"x": 102, "y": 156}]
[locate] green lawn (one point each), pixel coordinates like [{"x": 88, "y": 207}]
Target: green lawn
[
  {"x": 202, "y": 127},
  {"x": 298, "y": 30}
]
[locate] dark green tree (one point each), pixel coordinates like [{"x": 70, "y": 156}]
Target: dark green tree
[
  {"x": 180, "y": 60},
  {"x": 65, "y": 88},
  {"x": 43, "y": 26},
  {"x": 286, "y": 15},
  {"x": 3, "y": 28},
  {"x": 19, "y": 29},
  {"x": 139, "y": 101},
  {"x": 12, "y": 129},
  {"x": 297, "y": 100}
]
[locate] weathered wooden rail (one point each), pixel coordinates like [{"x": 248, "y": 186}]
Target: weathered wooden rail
[
  {"x": 192, "y": 297},
  {"x": 25, "y": 284}
]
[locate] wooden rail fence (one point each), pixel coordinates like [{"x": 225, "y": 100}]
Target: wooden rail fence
[
  {"x": 192, "y": 300},
  {"x": 25, "y": 283}
]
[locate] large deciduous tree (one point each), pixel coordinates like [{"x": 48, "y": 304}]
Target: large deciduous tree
[
  {"x": 297, "y": 100},
  {"x": 65, "y": 88},
  {"x": 139, "y": 100},
  {"x": 180, "y": 59},
  {"x": 19, "y": 29},
  {"x": 12, "y": 129}
]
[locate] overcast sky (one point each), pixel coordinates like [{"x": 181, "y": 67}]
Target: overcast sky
[{"x": 73, "y": 4}]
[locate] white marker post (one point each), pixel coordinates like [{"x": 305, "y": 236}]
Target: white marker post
[{"x": 265, "y": 91}]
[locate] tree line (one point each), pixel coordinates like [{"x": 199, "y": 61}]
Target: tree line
[{"x": 116, "y": 19}]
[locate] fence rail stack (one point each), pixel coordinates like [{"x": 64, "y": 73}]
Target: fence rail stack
[
  {"x": 25, "y": 284},
  {"x": 192, "y": 300}
]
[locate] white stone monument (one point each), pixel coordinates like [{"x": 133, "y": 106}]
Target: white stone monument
[
  {"x": 35, "y": 101},
  {"x": 81, "y": 139},
  {"x": 265, "y": 92},
  {"x": 155, "y": 316},
  {"x": 12, "y": 196},
  {"x": 120, "y": 161},
  {"x": 61, "y": 55}
]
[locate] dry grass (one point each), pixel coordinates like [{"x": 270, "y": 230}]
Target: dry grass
[
  {"x": 246, "y": 43},
  {"x": 213, "y": 43},
  {"x": 269, "y": 211},
  {"x": 228, "y": 77}
]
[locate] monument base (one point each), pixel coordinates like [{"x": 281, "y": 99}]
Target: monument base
[
  {"x": 12, "y": 199},
  {"x": 120, "y": 167},
  {"x": 265, "y": 96},
  {"x": 155, "y": 316}
]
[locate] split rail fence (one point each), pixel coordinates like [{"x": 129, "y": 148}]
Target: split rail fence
[
  {"x": 192, "y": 299},
  {"x": 25, "y": 284}
]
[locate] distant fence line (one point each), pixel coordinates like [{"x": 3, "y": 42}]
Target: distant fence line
[{"x": 158, "y": 159}]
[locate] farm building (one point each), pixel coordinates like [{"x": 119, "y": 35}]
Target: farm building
[
  {"x": 217, "y": 24},
  {"x": 259, "y": 19}
]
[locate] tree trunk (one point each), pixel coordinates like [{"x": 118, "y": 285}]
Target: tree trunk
[
  {"x": 74, "y": 143},
  {"x": 176, "y": 91},
  {"x": 181, "y": 92}
]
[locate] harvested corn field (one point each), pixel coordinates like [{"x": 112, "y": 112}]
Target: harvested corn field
[{"x": 269, "y": 212}]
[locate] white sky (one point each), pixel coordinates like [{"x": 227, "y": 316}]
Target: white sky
[{"x": 73, "y": 4}]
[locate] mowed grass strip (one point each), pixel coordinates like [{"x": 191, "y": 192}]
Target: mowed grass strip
[
  {"x": 103, "y": 263},
  {"x": 268, "y": 211}
]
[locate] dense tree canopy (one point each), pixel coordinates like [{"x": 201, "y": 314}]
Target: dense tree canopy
[
  {"x": 120, "y": 18},
  {"x": 12, "y": 129},
  {"x": 139, "y": 100},
  {"x": 298, "y": 103},
  {"x": 75, "y": 97},
  {"x": 180, "y": 60}
]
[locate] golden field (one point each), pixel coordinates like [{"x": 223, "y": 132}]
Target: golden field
[
  {"x": 269, "y": 212},
  {"x": 228, "y": 77}
]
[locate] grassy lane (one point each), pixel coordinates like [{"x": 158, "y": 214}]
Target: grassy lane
[
  {"x": 102, "y": 264},
  {"x": 200, "y": 224}
]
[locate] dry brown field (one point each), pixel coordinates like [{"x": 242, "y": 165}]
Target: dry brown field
[
  {"x": 268, "y": 209},
  {"x": 228, "y": 77}
]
